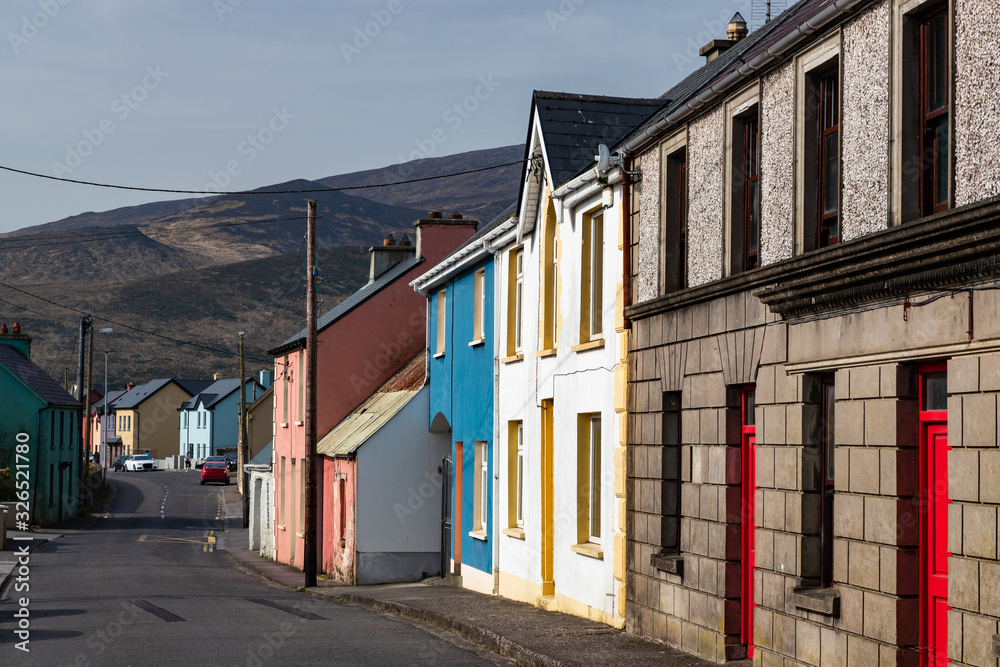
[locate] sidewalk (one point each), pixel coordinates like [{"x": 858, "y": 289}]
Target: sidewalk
[{"x": 522, "y": 632}]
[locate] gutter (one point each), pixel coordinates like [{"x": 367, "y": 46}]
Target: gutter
[
  {"x": 710, "y": 94},
  {"x": 460, "y": 259}
]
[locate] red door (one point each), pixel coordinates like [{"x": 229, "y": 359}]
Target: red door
[
  {"x": 934, "y": 517},
  {"x": 749, "y": 486}
]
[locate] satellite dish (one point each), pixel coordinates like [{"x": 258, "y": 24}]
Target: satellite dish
[{"x": 605, "y": 160}]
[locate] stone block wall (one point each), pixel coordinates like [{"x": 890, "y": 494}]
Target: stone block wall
[{"x": 974, "y": 488}]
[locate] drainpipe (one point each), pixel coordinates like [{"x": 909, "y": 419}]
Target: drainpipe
[
  {"x": 496, "y": 433},
  {"x": 625, "y": 162}
]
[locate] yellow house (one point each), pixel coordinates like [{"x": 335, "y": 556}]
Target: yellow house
[{"x": 146, "y": 417}]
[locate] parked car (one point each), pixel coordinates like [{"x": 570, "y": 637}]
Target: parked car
[
  {"x": 207, "y": 459},
  {"x": 119, "y": 463},
  {"x": 215, "y": 471},
  {"x": 138, "y": 462},
  {"x": 232, "y": 459}
]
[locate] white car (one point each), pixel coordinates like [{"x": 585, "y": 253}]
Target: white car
[{"x": 136, "y": 463}]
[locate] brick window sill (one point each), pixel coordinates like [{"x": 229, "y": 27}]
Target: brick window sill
[
  {"x": 825, "y": 601},
  {"x": 669, "y": 563}
]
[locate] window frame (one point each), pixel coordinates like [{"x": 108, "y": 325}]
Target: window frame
[
  {"x": 828, "y": 119},
  {"x": 931, "y": 117},
  {"x": 480, "y": 513},
  {"x": 479, "y": 306},
  {"x": 674, "y": 214},
  {"x": 441, "y": 308},
  {"x": 550, "y": 278},
  {"x": 828, "y": 399},
  {"x": 515, "y": 296},
  {"x": 592, "y": 276},
  {"x": 589, "y": 469},
  {"x": 738, "y": 109}
]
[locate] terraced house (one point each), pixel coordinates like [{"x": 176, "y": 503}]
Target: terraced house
[{"x": 814, "y": 355}]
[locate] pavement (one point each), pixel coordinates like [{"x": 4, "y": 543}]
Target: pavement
[
  {"x": 518, "y": 631},
  {"x": 521, "y": 632}
]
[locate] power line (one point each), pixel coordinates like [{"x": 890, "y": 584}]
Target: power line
[{"x": 256, "y": 192}]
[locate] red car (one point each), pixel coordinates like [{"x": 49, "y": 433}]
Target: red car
[{"x": 215, "y": 471}]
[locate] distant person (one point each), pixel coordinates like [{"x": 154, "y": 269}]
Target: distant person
[{"x": 187, "y": 461}]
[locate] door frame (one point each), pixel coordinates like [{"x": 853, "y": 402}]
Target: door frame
[{"x": 748, "y": 486}]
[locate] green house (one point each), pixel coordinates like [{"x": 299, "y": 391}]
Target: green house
[{"x": 39, "y": 418}]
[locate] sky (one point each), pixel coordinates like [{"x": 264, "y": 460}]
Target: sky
[{"x": 239, "y": 94}]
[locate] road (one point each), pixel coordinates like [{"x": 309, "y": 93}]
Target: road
[{"x": 150, "y": 584}]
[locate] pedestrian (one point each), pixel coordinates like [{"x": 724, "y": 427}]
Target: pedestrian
[{"x": 187, "y": 461}]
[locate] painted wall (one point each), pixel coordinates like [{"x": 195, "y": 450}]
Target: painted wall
[
  {"x": 461, "y": 390},
  {"x": 398, "y": 514},
  {"x": 262, "y": 512},
  {"x": 337, "y": 545},
  {"x": 357, "y": 354}
]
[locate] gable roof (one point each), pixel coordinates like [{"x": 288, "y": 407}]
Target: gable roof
[
  {"x": 573, "y": 126},
  {"x": 213, "y": 393},
  {"x": 137, "y": 395},
  {"x": 111, "y": 398},
  {"x": 365, "y": 421},
  {"x": 349, "y": 304},
  {"x": 35, "y": 378}
]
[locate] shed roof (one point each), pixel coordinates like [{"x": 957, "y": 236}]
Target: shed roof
[
  {"x": 365, "y": 421},
  {"x": 35, "y": 378}
]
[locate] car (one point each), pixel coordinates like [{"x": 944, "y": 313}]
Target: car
[
  {"x": 214, "y": 471},
  {"x": 119, "y": 463},
  {"x": 138, "y": 462},
  {"x": 232, "y": 460},
  {"x": 216, "y": 457}
]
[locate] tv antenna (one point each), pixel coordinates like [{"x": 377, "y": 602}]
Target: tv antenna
[{"x": 762, "y": 11}]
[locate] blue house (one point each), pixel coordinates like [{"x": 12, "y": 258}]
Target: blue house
[
  {"x": 461, "y": 342},
  {"x": 209, "y": 421},
  {"x": 40, "y": 425}
]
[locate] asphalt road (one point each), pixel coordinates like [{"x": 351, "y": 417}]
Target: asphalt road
[{"x": 150, "y": 585}]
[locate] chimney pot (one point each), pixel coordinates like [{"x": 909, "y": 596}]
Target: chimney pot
[
  {"x": 17, "y": 328},
  {"x": 434, "y": 215},
  {"x": 405, "y": 241},
  {"x": 737, "y": 30},
  {"x": 389, "y": 240},
  {"x": 3, "y": 329},
  {"x": 455, "y": 216}
]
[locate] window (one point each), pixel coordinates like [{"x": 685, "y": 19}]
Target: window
[
  {"x": 185, "y": 420},
  {"x": 934, "y": 113},
  {"x": 827, "y": 475},
  {"x": 479, "y": 306},
  {"x": 675, "y": 222},
  {"x": 515, "y": 474},
  {"x": 300, "y": 368},
  {"x": 828, "y": 160},
  {"x": 670, "y": 498},
  {"x": 589, "y": 478},
  {"x": 592, "y": 277},
  {"x": 441, "y": 304},
  {"x": 550, "y": 279},
  {"x": 302, "y": 496},
  {"x": 515, "y": 293},
  {"x": 746, "y": 137},
  {"x": 342, "y": 510},
  {"x": 282, "y": 499},
  {"x": 284, "y": 394},
  {"x": 482, "y": 485}
]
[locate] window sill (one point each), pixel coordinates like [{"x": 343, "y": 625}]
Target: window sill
[
  {"x": 477, "y": 342},
  {"x": 588, "y": 549},
  {"x": 299, "y": 423},
  {"x": 283, "y": 424},
  {"x": 439, "y": 355},
  {"x": 669, "y": 563},
  {"x": 546, "y": 353},
  {"x": 824, "y": 601},
  {"x": 478, "y": 535},
  {"x": 591, "y": 345},
  {"x": 280, "y": 526},
  {"x": 510, "y": 360},
  {"x": 516, "y": 533}
]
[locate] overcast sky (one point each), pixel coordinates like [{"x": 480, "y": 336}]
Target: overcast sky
[{"x": 244, "y": 93}]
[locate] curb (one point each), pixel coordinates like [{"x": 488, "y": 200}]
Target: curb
[{"x": 482, "y": 636}]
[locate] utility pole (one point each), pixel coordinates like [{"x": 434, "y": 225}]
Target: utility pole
[
  {"x": 243, "y": 452},
  {"x": 309, "y": 546},
  {"x": 86, "y": 324},
  {"x": 89, "y": 383}
]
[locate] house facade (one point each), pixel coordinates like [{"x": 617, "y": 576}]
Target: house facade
[
  {"x": 362, "y": 342},
  {"x": 209, "y": 421},
  {"x": 559, "y": 351},
  {"x": 103, "y": 427},
  {"x": 813, "y": 353},
  {"x": 460, "y": 293},
  {"x": 147, "y": 415},
  {"x": 41, "y": 435}
]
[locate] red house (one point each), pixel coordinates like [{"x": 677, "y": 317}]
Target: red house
[{"x": 362, "y": 343}]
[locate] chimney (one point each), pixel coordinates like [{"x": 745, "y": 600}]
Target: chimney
[
  {"x": 736, "y": 32},
  {"x": 437, "y": 237},
  {"x": 130, "y": 386},
  {"x": 265, "y": 379},
  {"x": 386, "y": 256},
  {"x": 16, "y": 340}
]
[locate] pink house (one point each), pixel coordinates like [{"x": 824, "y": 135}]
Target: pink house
[{"x": 362, "y": 343}]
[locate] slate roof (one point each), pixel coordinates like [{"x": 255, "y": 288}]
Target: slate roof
[
  {"x": 112, "y": 396},
  {"x": 365, "y": 421},
  {"x": 350, "y": 303},
  {"x": 213, "y": 393},
  {"x": 263, "y": 457},
  {"x": 137, "y": 395},
  {"x": 574, "y": 125},
  {"x": 35, "y": 378},
  {"x": 733, "y": 57}
]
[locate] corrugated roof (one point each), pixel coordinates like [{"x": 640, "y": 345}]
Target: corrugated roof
[
  {"x": 375, "y": 412},
  {"x": 352, "y": 302},
  {"x": 35, "y": 378},
  {"x": 574, "y": 125}
]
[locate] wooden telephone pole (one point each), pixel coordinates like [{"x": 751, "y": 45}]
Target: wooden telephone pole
[
  {"x": 242, "y": 455},
  {"x": 309, "y": 541}
]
